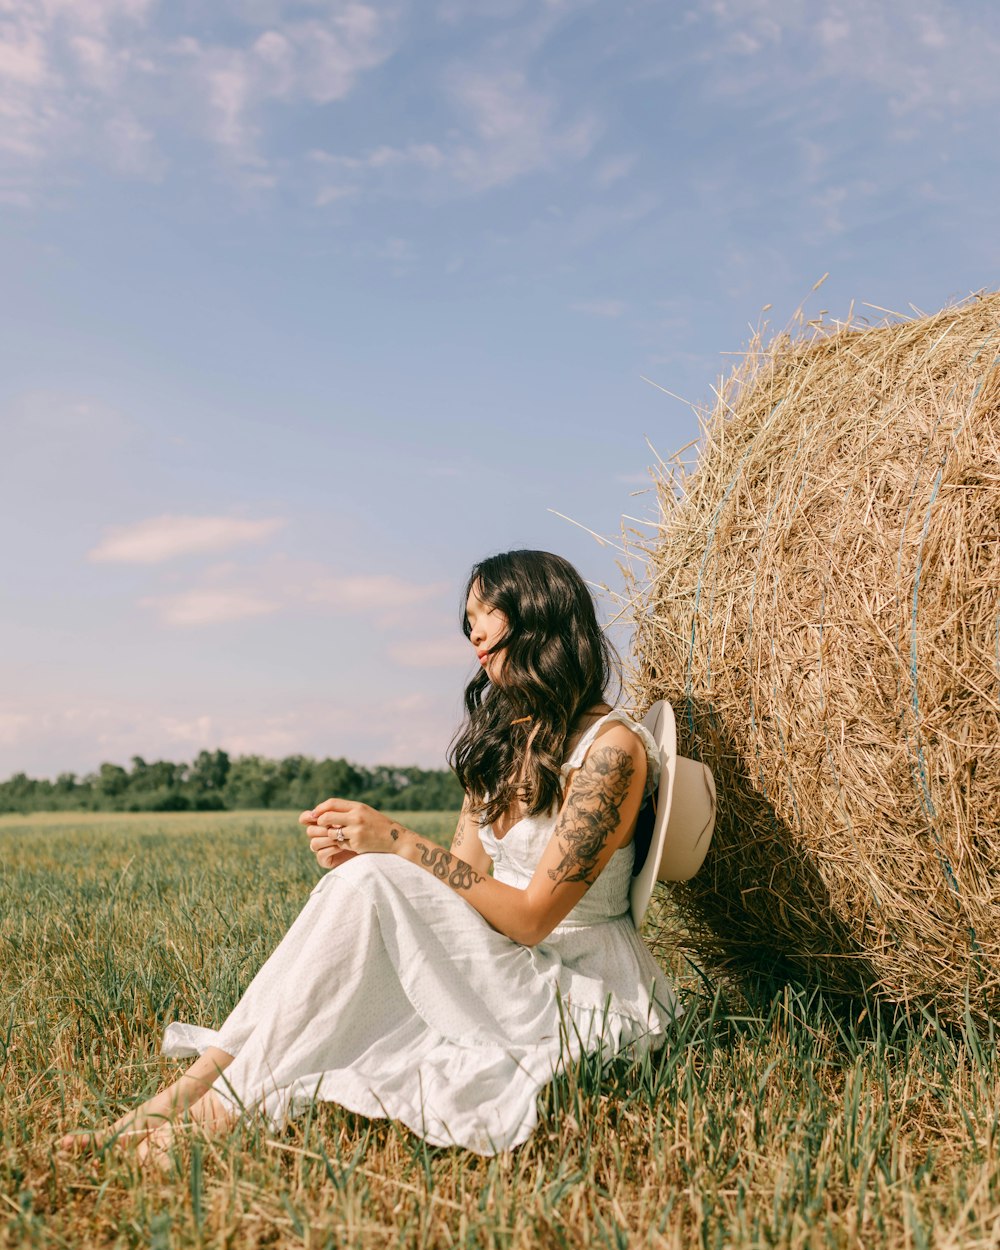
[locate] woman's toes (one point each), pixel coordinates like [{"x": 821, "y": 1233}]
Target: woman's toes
[
  {"x": 88, "y": 1141},
  {"x": 77, "y": 1143}
]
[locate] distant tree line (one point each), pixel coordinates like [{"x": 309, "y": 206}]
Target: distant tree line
[{"x": 214, "y": 782}]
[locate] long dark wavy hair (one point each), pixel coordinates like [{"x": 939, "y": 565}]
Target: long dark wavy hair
[{"x": 557, "y": 664}]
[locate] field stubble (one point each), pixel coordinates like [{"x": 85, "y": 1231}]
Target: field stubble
[{"x": 773, "y": 1121}]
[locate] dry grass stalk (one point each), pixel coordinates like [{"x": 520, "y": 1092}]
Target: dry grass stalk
[{"x": 823, "y": 609}]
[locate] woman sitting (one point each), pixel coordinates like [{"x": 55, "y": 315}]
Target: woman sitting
[{"x": 446, "y": 988}]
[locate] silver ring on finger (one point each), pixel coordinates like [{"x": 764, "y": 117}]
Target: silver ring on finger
[{"x": 339, "y": 831}]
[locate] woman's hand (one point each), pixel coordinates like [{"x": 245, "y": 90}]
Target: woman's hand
[
  {"x": 323, "y": 844},
  {"x": 339, "y": 828}
]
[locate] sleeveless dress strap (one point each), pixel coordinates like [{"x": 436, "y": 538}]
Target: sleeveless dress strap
[{"x": 579, "y": 752}]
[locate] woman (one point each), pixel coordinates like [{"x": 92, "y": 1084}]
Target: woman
[{"x": 414, "y": 984}]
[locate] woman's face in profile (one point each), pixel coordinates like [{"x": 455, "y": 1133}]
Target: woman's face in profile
[{"x": 487, "y": 627}]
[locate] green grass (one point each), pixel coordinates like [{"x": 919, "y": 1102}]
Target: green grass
[{"x": 777, "y": 1122}]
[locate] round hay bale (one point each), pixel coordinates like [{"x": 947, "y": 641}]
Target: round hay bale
[{"x": 822, "y": 607}]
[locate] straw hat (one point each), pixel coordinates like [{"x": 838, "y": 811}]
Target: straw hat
[{"x": 677, "y": 825}]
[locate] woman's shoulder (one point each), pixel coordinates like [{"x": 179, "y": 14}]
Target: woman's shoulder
[{"x": 605, "y": 722}]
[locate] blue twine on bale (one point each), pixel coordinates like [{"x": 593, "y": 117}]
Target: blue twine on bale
[
  {"x": 913, "y": 741},
  {"x": 917, "y": 747},
  {"x": 918, "y": 750},
  {"x": 996, "y": 645}
]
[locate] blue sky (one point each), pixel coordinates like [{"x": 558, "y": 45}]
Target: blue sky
[{"x": 308, "y": 305}]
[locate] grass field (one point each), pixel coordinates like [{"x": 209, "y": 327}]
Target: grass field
[{"x": 770, "y": 1123}]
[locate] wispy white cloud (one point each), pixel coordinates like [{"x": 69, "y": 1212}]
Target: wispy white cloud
[
  {"x": 313, "y": 60},
  {"x": 505, "y": 129},
  {"x": 844, "y": 92},
  {"x": 517, "y": 128},
  {"x": 114, "y": 80},
  {"x": 22, "y": 54},
  {"x": 61, "y": 61},
  {"x": 106, "y": 78},
  {"x": 927, "y": 55},
  {"x": 230, "y": 591},
  {"x": 167, "y": 537},
  {"x": 193, "y": 608}
]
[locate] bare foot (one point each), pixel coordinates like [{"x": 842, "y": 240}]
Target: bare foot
[
  {"x": 94, "y": 1140},
  {"x": 172, "y": 1101},
  {"x": 154, "y": 1151},
  {"x": 208, "y": 1117}
]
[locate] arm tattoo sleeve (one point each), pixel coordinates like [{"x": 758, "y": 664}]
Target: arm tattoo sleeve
[
  {"x": 592, "y": 813},
  {"x": 458, "y": 874}
]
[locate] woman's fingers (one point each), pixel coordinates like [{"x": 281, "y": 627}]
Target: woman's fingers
[
  {"x": 323, "y": 826},
  {"x": 341, "y": 825},
  {"x": 332, "y": 805},
  {"x": 324, "y": 845}
]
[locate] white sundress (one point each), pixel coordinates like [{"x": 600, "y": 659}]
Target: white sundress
[{"x": 392, "y": 996}]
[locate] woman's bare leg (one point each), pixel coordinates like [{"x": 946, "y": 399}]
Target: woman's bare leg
[{"x": 163, "y": 1106}]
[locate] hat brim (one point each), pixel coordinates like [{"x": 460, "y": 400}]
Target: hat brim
[
  {"x": 659, "y": 720},
  {"x": 684, "y": 814}
]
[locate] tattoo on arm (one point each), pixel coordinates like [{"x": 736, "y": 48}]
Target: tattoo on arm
[
  {"x": 592, "y": 813},
  {"x": 459, "y": 837},
  {"x": 458, "y": 874},
  {"x": 395, "y": 830}
]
